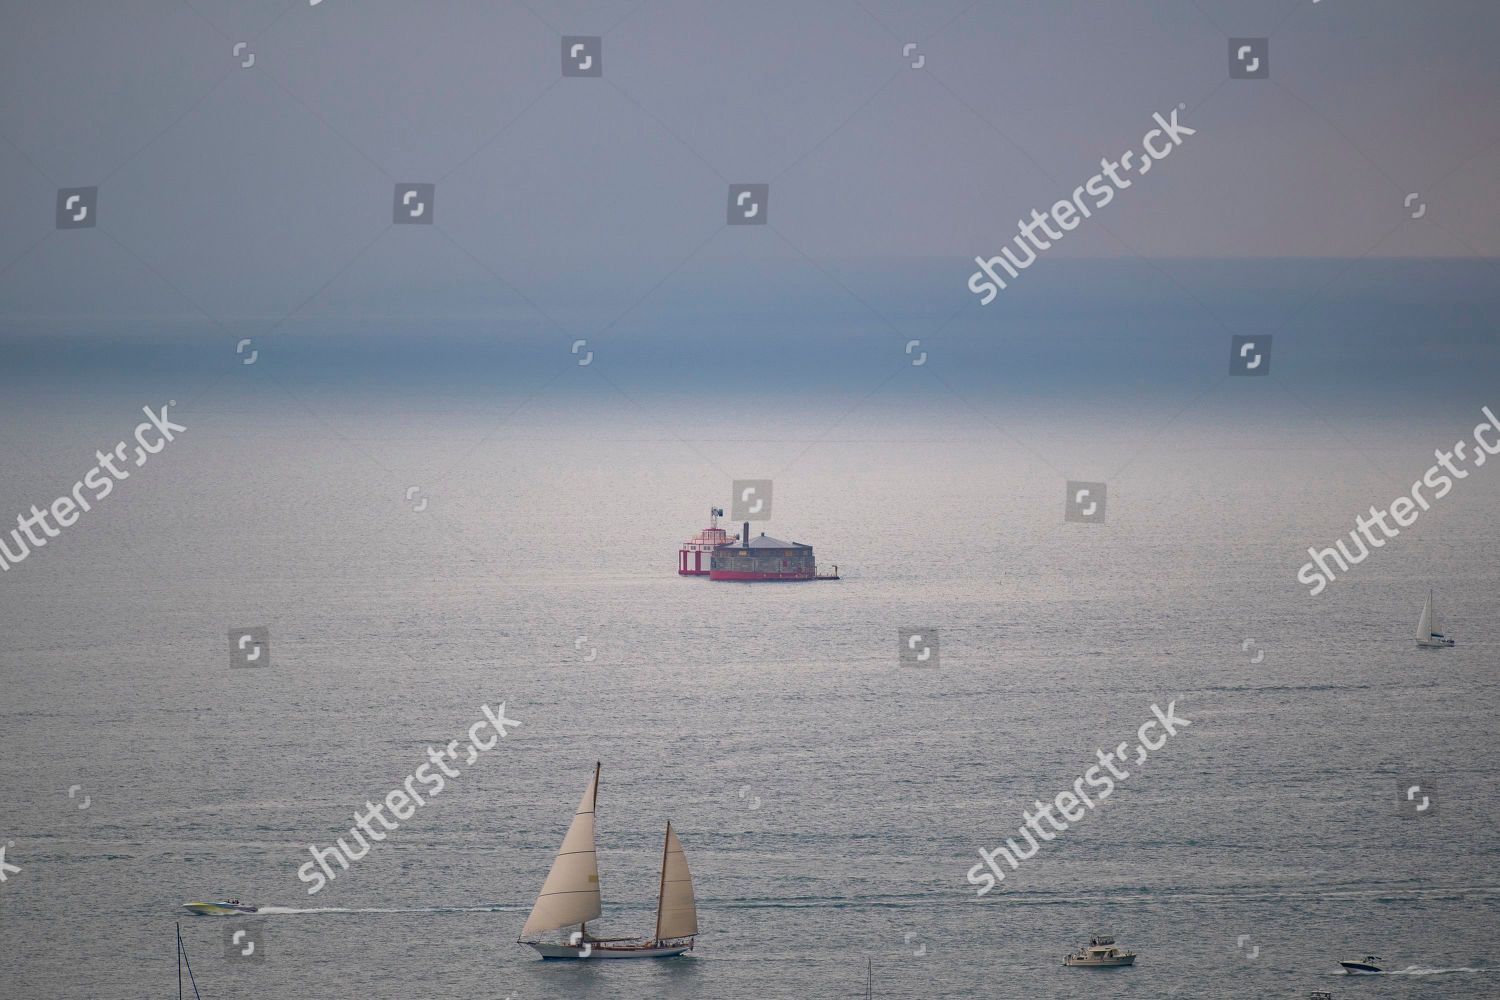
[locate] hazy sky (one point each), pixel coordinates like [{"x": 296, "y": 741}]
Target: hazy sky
[{"x": 245, "y": 199}]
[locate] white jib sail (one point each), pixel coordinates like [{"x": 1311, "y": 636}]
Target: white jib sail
[
  {"x": 676, "y": 915},
  {"x": 571, "y": 893}
]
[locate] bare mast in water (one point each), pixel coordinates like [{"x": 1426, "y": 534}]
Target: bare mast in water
[{"x": 182, "y": 960}]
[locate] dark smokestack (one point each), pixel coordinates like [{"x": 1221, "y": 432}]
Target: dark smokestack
[{"x": 745, "y": 538}]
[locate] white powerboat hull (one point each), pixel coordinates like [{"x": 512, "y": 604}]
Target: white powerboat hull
[
  {"x": 1361, "y": 969},
  {"x": 220, "y": 909},
  {"x": 1102, "y": 963},
  {"x": 578, "y": 952}
]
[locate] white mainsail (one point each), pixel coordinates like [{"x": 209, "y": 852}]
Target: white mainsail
[
  {"x": 571, "y": 893},
  {"x": 676, "y": 914},
  {"x": 1428, "y": 624}
]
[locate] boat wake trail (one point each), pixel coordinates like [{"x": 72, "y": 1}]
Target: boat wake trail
[
  {"x": 290, "y": 910},
  {"x": 1421, "y": 970}
]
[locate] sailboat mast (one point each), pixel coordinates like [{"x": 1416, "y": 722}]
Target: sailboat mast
[
  {"x": 182, "y": 960},
  {"x": 661, "y": 893},
  {"x": 583, "y": 925}
]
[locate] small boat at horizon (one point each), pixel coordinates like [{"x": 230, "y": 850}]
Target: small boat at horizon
[
  {"x": 1369, "y": 965},
  {"x": 1429, "y": 629},
  {"x": 570, "y": 896},
  {"x": 221, "y": 908},
  {"x": 1100, "y": 953}
]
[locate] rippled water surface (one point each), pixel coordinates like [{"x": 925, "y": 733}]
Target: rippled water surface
[{"x": 830, "y": 801}]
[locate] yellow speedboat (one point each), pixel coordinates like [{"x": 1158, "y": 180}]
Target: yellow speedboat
[{"x": 221, "y": 908}]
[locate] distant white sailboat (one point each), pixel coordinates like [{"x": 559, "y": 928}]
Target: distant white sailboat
[
  {"x": 571, "y": 896},
  {"x": 1429, "y": 629}
]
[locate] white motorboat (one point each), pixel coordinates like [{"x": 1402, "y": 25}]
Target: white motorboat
[
  {"x": 1100, "y": 953},
  {"x": 571, "y": 896},
  {"x": 1369, "y": 965},
  {"x": 1429, "y": 629}
]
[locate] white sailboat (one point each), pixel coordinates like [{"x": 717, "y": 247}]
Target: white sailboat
[
  {"x": 571, "y": 896},
  {"x": 1429, "y": 629}
]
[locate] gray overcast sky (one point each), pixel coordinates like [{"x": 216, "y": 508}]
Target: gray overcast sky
[{"x": 245, "y": 190}]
